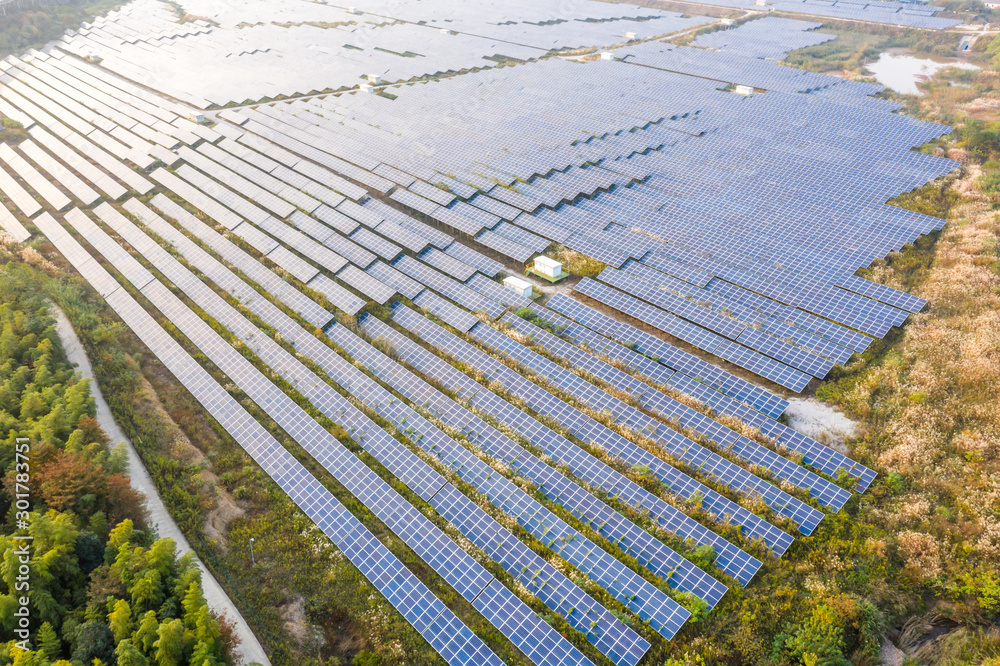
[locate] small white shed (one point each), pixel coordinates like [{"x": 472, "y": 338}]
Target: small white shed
[
  {"x": 744, "y": 90},
  {"x": 522, "y": 287},
  {"x": 607, "y": 55},
  {"x": 549, "y": 267}
]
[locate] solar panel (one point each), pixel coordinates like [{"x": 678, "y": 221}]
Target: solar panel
[
  {"x": 403, "y": 284},
  {"x": 226, "y": 197},
  {"x": 366, "y": 284},
  {"x": 405, "y": 237},
  {"x": 505, "y": 246},
  {"x": 473, "y": 521},
  {"x": 480, "y": 262},
  {"x": 341, "y": 298},
  {"x": 17, "y": 194},
  {"x": 730, "y": 442},
  {"x": 445, "y": 311},
  {"x": 250, "y": 190},
  {"x": 335, "y": 219},
  {"x": 585, "y": 507},
  {"x": 294, "y": 264},
  {"x": 447, "y": 264},
  {"x": 685, "y": 362},
  {"x": 12, "y": 226},
  {"x": 98, "y": 178},
  {"x": 526, "y": 238},
  {"x": 353, "y": 252},
  {"x": 376, "y": 244},
  {"x": 821, "y": 457},
  {"x": 555, "y": 533},
  {"x": 452, "y": 289},
  {"x": 734, "y": 353},
  {"x": 197, "y": 198},
  {"x": 106, "y": 161},
  {"x": 255, "y": 238},
  {"x": 64, "y": 176},
  {"x": 728, "y": 557},
  {"x": 295, "y": 239}
]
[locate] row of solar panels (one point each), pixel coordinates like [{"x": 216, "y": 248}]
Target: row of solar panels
[
  {"x": 383, "y": 292},
  {"x": 438, "y": 624},
  {"x": 349, "y": 302}
]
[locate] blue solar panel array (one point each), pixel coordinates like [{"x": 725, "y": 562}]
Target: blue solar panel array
[
  {"x": 588, "y": 431},
  {"x": 654, "y": 373},
  {"x": 768, "y": 37},
  {"x": 877, "y": 11},
  {"x": 671, "y": 356},
  {"x": 532, "y": 196},
  {"x": 678, "y": 572},
  {"x": 729, "y": 558},
  {"x": 723, "y": 438},
  {"x": 687, "y": 331},
  {"x": 621, "y": 644},
  {"x": 672, "y": 442}
]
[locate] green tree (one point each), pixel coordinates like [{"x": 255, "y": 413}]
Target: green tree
[
  {"x": 193, "y": 602},
  {"x": 48, "y": 642},
  {"x": 120, "y": 620},
  {"x": 89, "y": 551},
  {"x": 93, "y": 640},
  {"x": 128, "y": 654},
  {"x": 170, "y": 643},
  {"x": 147, "y": 590},
  {"x": 145, "y": 636}
]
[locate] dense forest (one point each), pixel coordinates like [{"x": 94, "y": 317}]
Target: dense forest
[
  {"x": 101, "y": 588},
  {"x": 36, "y": 25}
]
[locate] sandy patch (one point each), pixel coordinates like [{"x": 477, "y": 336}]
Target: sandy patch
[{"x": 820, "y": 421}]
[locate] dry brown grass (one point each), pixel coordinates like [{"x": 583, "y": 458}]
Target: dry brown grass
[{"x": 932, "y": 406}]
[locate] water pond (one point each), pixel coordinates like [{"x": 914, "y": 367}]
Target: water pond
[{"x": 902, "y": 72}]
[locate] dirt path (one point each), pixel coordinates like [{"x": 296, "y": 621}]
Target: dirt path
[{"x": 250, "y": 648}]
